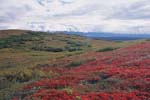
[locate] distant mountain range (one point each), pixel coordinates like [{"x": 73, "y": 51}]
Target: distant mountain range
[
  {"x": 96, "y": 35},
  {"x": 111, "y": 36}
]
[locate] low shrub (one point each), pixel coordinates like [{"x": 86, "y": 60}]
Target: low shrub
[
  {"x": 106, "y": 49},
  {"x": 71, "y": 49},
  {"x": 49, "y": 49}
]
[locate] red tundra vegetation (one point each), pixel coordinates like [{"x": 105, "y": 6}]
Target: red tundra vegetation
[{"x": 122, "y": 74}]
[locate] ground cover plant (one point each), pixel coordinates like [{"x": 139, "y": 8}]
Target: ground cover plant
[{"x": 44, "y": 66}]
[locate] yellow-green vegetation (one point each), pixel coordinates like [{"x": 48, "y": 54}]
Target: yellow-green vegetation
[
  {"x": 79, "y": 62},
  {"x": 69, "y": 91},
  {"x": 22, "y": 51},
  {"x": 78, "y": 98}
]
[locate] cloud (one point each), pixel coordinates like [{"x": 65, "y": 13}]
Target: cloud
[
  {"x": 121, "y": 16},
  {"x": 137, "y": 10}
]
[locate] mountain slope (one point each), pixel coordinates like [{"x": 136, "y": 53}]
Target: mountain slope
[
  {"x": 28, "y": 56},
  {"x": 22, "y": 51},
  {"x": 122, "y": 74}
]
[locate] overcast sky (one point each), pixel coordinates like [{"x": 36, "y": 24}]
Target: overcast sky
[{"x": 117, "y": 16}]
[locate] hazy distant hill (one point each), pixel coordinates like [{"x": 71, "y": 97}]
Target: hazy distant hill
[{"x": 112, "y": 36}]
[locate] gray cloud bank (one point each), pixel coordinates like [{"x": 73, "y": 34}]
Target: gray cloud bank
[{"x": 118, "y": 16}]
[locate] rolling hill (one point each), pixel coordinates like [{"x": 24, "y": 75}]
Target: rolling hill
[{"x": 44, "y": 66}]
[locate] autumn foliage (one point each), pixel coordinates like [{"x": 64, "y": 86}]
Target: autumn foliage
[{"x": 122, "y": 74}]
